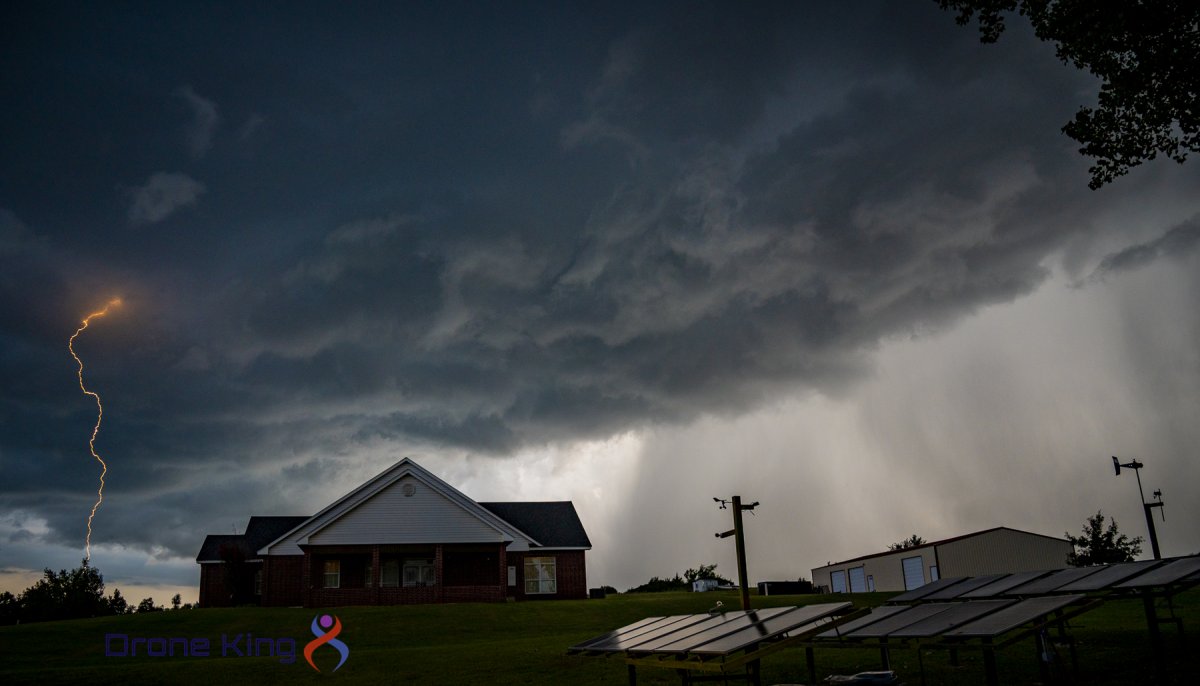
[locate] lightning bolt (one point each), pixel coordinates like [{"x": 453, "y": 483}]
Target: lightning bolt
[{"x": 99, "y": 416}]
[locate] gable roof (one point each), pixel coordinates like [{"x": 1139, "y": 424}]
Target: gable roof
[
  {"x": 944, "y": 541},
  {"x": 298, "y": 535},
  {"x": 553, "y": 524},
  {"x": 259, "y": 532}
]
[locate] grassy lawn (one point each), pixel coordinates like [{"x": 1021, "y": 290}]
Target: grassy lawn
[{"x": 525, "y": 643}]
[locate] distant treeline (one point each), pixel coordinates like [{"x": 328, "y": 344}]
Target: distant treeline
[
  {"x": 680, "y": 583},
  {"x": 73, "y": 594}
]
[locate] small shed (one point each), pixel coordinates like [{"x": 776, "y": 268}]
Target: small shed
[{"x": 702, "y": 585}]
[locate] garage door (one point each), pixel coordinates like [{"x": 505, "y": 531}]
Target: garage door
[
  {"x": 837, "y": 581},
  {"x": 858, "y": 580},
  {"x": 914, "y": 576}
]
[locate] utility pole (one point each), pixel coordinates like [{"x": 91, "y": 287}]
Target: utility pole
[
  {"x": 740, "y": 542},
  {"x": 1147, "y": 508}
]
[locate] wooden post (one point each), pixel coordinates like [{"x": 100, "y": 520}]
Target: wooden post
[{"x": 740, "y": 538}]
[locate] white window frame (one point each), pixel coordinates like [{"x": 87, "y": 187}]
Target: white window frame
[
  {"x": 258, "y": 581},
  {"x": 418, "y": 572},
  {"x": 541, "y": 575},
  {"x": 333, "y": 573}
]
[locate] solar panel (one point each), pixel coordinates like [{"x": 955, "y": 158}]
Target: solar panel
[
  {"x": 771, "y": 628},
  {"x": 682, "y": 641},
  {"x": 968, "y": 584},
  {"x": 876, "y": 614},
  {"x": 1170, "y": 573},
  {"x": 1111, "y": 574},
  {"x": 920, "y": 593},
  {"x": 641, "y": 625},
  {"x": 623, "y": 642},
  {"x": 1055, "y": 581},
  {"x": 912, "y": 615},
  {"x": 955, "y": 614},
  {"x": 1005, "y": 620},
  {"x": 1000, "y": 587}
]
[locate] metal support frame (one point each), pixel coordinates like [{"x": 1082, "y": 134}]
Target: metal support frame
[
  {"x": 1158, "y": 648},
  {"x": 988, "y": 646}
]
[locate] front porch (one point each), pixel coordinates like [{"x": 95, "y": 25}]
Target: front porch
[{"x": 404, "y": 574}]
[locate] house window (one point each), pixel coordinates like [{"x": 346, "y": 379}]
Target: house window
[
  {"x": 540, "y": 575},
  {"x": 391, "y": 573},
  {"x": 419, "y": 573},
  {"x": 333, "y": 573},
  {"x": 258, "y": 582}
]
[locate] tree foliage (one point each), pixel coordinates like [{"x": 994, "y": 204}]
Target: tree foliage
[
  {"x": 65, "y": 595},
  {"x": 1099, "y": 545},
  {"x": 910, "y": 542},
  {"x": 657, "y": 585},
  {"x": 73, "y": 594},
  {"x": 147, "y": 605},
  {"x": 1147, "y": 56},
  {"x": 117, "y": 604},
  {"x": 704, "y": 572}
]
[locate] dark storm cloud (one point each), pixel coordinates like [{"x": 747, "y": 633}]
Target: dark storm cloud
[
  {"x": 1179, "y": 240},
  {"x": 486, "y": 230}
]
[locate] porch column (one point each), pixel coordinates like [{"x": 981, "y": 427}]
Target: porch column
[
  {"x": 503, "y": 572},
  {"x": 437, "y": 571},
  {"x": 376, "y": 575},
  {"x": 265, "y": 595},
  {"x": 306, "y": 580}
]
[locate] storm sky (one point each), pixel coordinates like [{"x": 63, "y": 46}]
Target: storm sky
[{"x": 837, "y": 258}]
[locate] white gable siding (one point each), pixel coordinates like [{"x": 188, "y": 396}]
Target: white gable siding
[{"x": 390, "y": 517}]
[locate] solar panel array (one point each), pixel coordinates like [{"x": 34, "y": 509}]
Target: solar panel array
[
  {"x": 1124, "y": 576},
  {"x": 992, "y": 605},
  {"x": 950, "y": 612},
  {"x": 709, "y": 635}
]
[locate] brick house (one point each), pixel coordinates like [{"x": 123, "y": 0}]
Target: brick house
[{"x": 403, "y": 537}]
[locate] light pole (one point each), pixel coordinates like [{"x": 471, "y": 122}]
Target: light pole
[{"x": 1146, "y": 507}]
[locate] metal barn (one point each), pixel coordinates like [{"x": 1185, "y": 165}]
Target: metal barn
[{"x": 992, "y": 551}]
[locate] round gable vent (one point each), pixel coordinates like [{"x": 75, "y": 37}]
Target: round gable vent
[{"x": 408, "y": 489}]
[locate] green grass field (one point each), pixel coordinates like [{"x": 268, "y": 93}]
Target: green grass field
[{"x": 525, "y": 643}]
